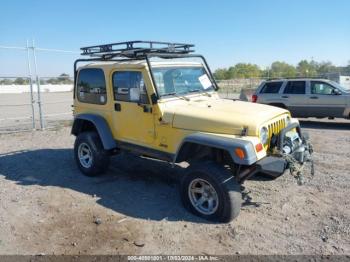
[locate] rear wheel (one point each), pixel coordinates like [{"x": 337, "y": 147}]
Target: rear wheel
[
  {"x": 90, "y": 155},
  {"x": 210, "y": 191}
]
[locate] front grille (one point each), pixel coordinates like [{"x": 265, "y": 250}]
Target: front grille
[{"x": 276, "y": 127}]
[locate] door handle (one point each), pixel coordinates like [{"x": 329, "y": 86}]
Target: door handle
[
  {"x": 146, "y": 108},
  {"x": 313, "y": 97},
  {"x": 285, "y": 96},
  {"x": 117, "y": 107}
]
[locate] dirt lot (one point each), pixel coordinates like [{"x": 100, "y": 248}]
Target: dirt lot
[
  {"x": 47, "y": 206},
  {"x": 16, "y": 110}
]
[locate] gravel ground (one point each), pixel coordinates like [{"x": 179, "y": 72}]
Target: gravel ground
[{"x": 48, "y": 207}]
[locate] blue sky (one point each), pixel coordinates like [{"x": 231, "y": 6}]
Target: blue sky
[{"x": 226, "y": 32}]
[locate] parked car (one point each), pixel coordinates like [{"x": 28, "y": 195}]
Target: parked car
[{"x": 305, "y": 97}]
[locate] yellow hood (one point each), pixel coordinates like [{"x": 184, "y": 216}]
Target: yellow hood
[{"x": 221, "y": 115}]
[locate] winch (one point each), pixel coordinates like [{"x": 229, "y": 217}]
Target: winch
[{"x": 294, "y": 145}]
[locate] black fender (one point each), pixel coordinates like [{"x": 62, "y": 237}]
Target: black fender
[
  {"x": 99, "y": 124},
  {"x": 219, "y": 142}
]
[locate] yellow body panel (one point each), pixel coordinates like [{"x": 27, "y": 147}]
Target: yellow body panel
[{"x": 174, "y": 118}]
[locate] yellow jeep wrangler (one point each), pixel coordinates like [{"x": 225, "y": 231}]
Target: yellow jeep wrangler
[{"x": 159, "y": 100}]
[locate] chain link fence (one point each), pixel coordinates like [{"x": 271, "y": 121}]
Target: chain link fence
[
  {"x": 17, "y": 109},
  {"x": 238, "y": 88},
  {"x": 34, "y": 102},
  {"x": 20, "y": 101}
]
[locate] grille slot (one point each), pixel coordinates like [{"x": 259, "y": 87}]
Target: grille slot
[{"x": 276, "y": 127}]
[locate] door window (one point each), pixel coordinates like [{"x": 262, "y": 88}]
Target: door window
[
  {"x": 91, "y": 86},
  {"x": 295, "y": 87},
  {"x": 321, "y": 88},
  {"x": 129, "y": 86},
  {"x": 271, "y": 88}
]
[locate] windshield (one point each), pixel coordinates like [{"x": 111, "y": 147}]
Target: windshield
[
  {"x": 181, "y": 80},
  {"x": 339, "y": 86}
]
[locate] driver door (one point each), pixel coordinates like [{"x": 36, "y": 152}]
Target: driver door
[
  {"x": 324, "y": 101},
  {"x": 132, "y": 113}
]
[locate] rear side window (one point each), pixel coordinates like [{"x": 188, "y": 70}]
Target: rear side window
[
  {"x": 295, "y": 87},
  {"x": 271, "y": 88},
  {"x": 91, "y": 86}
]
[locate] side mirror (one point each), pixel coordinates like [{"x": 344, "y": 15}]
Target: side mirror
[
  {"x": 336, "y": 92},
  {"x": 154, "y": 99}
]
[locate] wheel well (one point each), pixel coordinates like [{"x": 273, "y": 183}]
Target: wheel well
[
  {"x": 190, "y": 152},
  {"x": 81, "y": 125},
  {"x": 278, "y": 105}
]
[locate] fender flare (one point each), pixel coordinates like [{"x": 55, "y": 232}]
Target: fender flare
[
  {"x": 101, "y": 126},
  {"x": 224, "y": 143}
]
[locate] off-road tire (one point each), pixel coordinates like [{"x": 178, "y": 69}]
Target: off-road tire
[
  {"x": 227, "y": 188},
  {"x": 100, "y": 157}
]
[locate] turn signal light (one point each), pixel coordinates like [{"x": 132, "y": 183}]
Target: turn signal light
[
  {"x": 259, "y": 147},
  {"x": 240, "y": 153}
]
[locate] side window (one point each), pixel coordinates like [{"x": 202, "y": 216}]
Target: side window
[
  {"x": 129, "y": 86},
  {"x": 271, "y": 88},
  {"x": 91, "y": 86},
  {"x": 321, "y": 88},
  {"x": 295, "y": 87}
]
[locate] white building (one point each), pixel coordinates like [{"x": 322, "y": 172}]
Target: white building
[{"x": 342, "y": 80}]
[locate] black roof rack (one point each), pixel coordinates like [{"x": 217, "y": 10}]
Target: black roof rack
[{"x": 136, "y": 49}]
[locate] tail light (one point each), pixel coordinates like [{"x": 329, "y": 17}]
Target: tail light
[{"x": 254, "y": 98}]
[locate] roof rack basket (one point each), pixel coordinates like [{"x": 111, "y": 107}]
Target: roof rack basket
[{"x": 136, "y": 49}]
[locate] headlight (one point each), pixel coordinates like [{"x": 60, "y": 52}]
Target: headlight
[
  {"x": 288, "y": 120},
  {"x": 264, "y": 135}
]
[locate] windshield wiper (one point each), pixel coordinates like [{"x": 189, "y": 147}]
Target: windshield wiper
[
  {"x": 201, "y": 91},
  {"x": 174, "y": 94},
  {"x": 206, "y": 93}
]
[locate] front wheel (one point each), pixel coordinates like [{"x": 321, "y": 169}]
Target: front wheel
[
  {"x": 90, "y": 155},
  {"x": 210, "y": 191}
]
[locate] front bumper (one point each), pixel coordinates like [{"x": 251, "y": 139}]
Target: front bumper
[
  {"x": 272, "y": 166},
  {"x": 275, "y": 164},
  {"x": 278, "y": 161}
]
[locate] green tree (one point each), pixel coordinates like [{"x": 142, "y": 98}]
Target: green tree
[
  {"x": 52, "y": 81},
  {"x": 6, "y": 81},
  {"x": 20, "y": 81},
  {"x": 221, "y": 74},
  {"x": 64, "y": 79},
  {"x": 243, "y": 70},
  {"x": 282, "y": 69},
  {"x": 307, "y": 69},
  {"x": 326, "y": 67}
]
